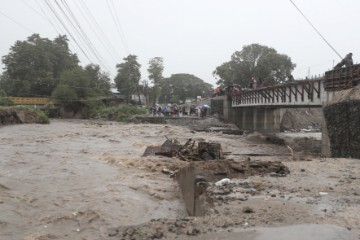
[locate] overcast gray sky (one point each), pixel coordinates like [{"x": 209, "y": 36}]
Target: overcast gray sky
[{"x": 194, "y": 36}]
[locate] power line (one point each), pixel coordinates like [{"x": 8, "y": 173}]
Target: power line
[
  {"x": 39, "y": 13},
  {"x": 43, "y": 15},
  {"x": 66, "y": 29},
  {"x": 82, "y": 33},
  {"x": 71, "y": 23},
  {"x": 316, "y": 29},
  {"x": 118, "y": 27},
  {"x": 21, "y": 25},
  {"x": 93, "y": 20},
  {"x": 78, "y": 30},
  {"x": 96, "y": 33},
  {"x": 53, "y": 24}
]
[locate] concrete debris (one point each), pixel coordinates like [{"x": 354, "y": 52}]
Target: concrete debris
[
  {"x": 222, "y": 182},
  {"x": 192, "y": 150}
]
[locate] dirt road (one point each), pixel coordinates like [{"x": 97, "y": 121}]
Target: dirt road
[{"x": 87, "y": 180}]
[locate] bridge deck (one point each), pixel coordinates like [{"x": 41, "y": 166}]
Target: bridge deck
[
  {"x": 302, "y": 93},
  {"x": 297, "y": 93}
]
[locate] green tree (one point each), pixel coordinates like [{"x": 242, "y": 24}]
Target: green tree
[
  {"x": 84, "y": 83},
  {"x": 67, "y": 97},
  {"x": 4, "y": 101},
  {"x": 180, "y": 87},
  {"x": 98, "y": 81},
  {"x": 254, "y": 60},
  {"x": 128, "y": 76},
  {"x": 33, "y": 67},
  {"x": 78, "y": 80},
  {"x": 2, "y": 93},
  {"x": 155, "y": 70},
  {"x": 79, "y": 88},
  {"x": 5, "y": 83}
]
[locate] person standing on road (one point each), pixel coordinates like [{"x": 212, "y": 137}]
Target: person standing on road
[{"x": 253, "y": 80}]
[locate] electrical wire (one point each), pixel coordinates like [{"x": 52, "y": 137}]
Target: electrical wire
[
  {"x": 96, "y": 33},
  {"x": 316, "y": 30},
  {"x": 84, "y": 36},
  {"x": 44, "y": 15},
  {"x": 66, "y": 29},
  {"x": 21, "y": 25},
  {"x": 56, "y": 27},
  {"x": 93, "y": 20},
  {"x": 117, "y": 27},
  {"x": 73, "y": 26},
  {"x": 120, "y": 27},
  {"x": 77, "y": 30}
]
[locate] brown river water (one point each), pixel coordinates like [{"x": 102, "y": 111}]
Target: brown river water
[
  {"x": 74, "y": 179},
  {"x": 53, "y": 184}
]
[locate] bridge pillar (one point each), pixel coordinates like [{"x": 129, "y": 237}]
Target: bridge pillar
[
  {"x": 257, "y": 119},
  {"x": 271, "y": 118},
  {"x": 249, "y": 117},
  {"x": 261, "y": 119}
]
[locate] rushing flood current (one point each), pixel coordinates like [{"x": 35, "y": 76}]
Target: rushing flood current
[{"x": 53, "y": 183}]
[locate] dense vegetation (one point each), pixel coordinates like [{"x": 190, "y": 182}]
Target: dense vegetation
[{"x": 40, "y": 67}]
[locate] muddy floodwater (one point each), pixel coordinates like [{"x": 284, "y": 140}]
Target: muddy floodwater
[
  {"x": 55, "y": 181},
  {"x": 74, "y": 179}
]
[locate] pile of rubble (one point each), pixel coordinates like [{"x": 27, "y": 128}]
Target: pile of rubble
[{"x": 192, "y": 150}]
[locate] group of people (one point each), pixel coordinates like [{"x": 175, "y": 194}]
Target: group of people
[
  {"x": 158, "y": 110},
  {"x": 178, "y": 111}
]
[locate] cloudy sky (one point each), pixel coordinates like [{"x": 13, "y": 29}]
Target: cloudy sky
[{"x": 192, "y": 36}]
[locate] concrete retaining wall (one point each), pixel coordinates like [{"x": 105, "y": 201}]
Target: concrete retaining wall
[
  {"x": 342, "y": 121},
  {"x": 193, "y": 194}
]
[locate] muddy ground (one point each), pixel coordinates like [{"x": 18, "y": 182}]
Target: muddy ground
[{"x": 87, "y": 180}]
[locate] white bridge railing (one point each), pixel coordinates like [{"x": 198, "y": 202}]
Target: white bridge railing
[{"x": 302, "y": 93}]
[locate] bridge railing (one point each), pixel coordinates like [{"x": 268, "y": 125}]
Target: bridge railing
[
  {"x": 298, "y": 93},
  {"x": 32, "y": 101}
]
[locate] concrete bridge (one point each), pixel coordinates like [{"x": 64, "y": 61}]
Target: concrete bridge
[
  {"x": 262, "y": 109},
  {"x": 304, "y": 93}
]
